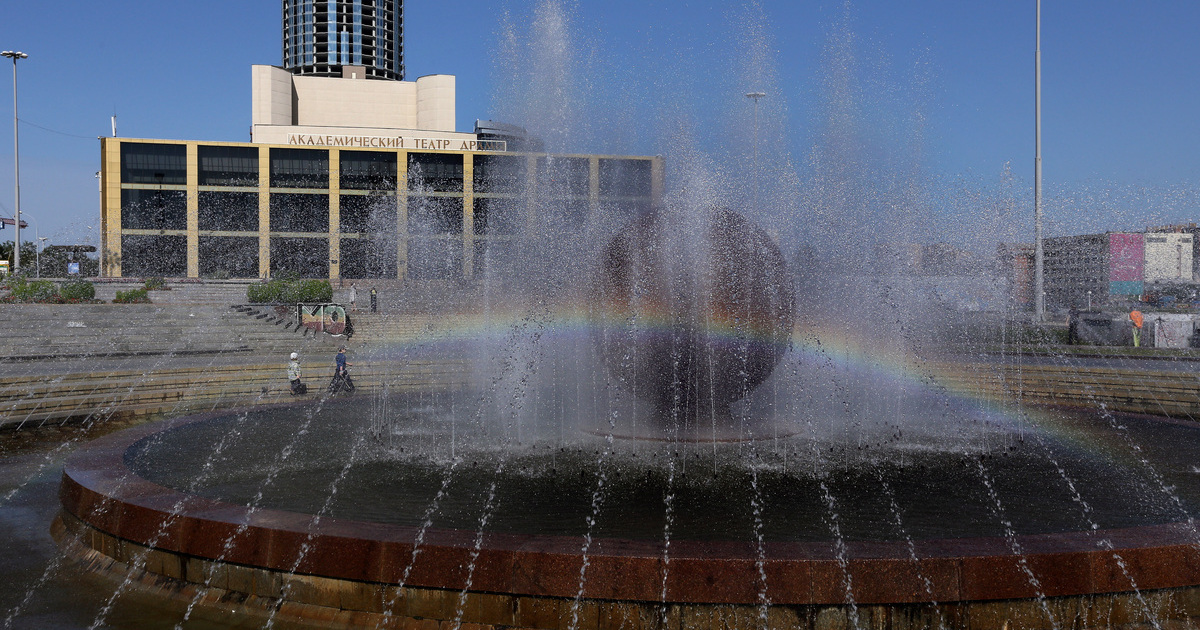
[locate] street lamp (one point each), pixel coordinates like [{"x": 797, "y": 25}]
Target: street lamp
[
  {"x": 754, "y": 96},
  {"x": 39, "y": 253},
  {"x": 15, "y": 55},
  {"x": 1039, "y": 256}
]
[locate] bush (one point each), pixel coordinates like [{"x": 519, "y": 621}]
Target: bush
[
  {"x": 259, "y": 293},
  {"x": 311, "y": 291},
  {"x": 132, "y": 296},
  {"x": 155, "y": 283},
  {"x": 78, "y": 290},
  {"x": 289, "y": 290},
  {"x": 35, "y": 291}
]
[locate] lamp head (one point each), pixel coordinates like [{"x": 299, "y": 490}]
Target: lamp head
[{"x": 13, "y": 54}]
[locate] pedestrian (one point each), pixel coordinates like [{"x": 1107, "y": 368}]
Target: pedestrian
[
  {"x": 374, "y": 300},
  {"x": 1135, "y": 318},
  {"x": 341, "y": 376},
  {"x": 293, "y": 372},
  {"x": 353, "y": 296}
]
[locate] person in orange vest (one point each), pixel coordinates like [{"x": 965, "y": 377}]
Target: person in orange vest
[{"x": 1136, "y": 318}]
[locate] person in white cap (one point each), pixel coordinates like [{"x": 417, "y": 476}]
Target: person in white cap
[{"x": 298, "y": 387}]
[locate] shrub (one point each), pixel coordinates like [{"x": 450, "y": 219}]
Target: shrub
[
  {"x": 310, "y": 291},
  {"x": 155, "y": 283},
  {"x": 78, "y": 290},
  {"x": 35, "y": 291},
  {"x": 289, "y": 291},
  {"x": 266, "y": 292},
  {"x": 132, "y": 296}
]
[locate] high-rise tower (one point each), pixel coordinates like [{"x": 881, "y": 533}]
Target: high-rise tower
[{"x": 320, "y": 37}]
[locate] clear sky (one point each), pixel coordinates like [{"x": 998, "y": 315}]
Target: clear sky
[{"x": 1121, "y": 100}]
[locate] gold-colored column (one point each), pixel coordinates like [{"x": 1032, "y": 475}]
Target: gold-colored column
[
  {"x": 335, "y": 214},
  {"x": 193, "y": 211},
  {"x": 468, "y": 230},
  {"x": 401, "y": 214},
  {"x": 110, "y": 224},
  {"x": 264, "y": 212}
]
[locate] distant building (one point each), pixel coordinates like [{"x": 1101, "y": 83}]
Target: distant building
[
  {"x": 347, "y": 176},
  {"x": 1094, "y": 268},
  {"x": 327, "y": 38},
  {"x": 1016, "y": 265},
  {"x": 351, "y": 110}
]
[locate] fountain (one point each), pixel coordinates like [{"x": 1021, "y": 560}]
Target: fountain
[
  {"x": 679, "y": 440},
  {"x": 692, "y": 331}
]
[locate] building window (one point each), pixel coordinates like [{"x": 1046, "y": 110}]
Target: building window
[
  {"x": 499, "y": 174},
  {"x": 435, "y": 172},
  {"x": 368, "y": 170},
  {"x": 435, "y": 215},
  {"x": 153, "y": 209},
  {"x": 435, "y": 258},
  {"x": 563, "y": 176},
  {"x": 299, "y": 168},
  {"x": 498, "y": 216},
  {"x": 162, "y": 164},
  {"x": 624, "y": 178},
  {"x": 228, "y": 256},
  {"x": 299, "y": 212},
  {"x": 143, "y": 256},
  {"x": 368, "y": 257},
  {"x": 227, "y": 166},
  {"x": 228, "y": 211},
  {"x": 305, "y": 257},
  {"x": 375, "y": 214}
]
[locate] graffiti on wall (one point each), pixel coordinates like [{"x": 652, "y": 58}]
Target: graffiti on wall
[{"x": 326, "y": 318}]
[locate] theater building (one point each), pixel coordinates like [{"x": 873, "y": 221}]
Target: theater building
[{"x": 347, "y": 176}]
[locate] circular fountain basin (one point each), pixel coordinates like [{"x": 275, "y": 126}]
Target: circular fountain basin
[{"x": 157, "y": 498}]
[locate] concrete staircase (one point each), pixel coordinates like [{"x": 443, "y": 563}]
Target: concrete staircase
[
  {"x": 177, "y": 389},
  {"x": 94, "y": 331},
  {"x": 213, "y": 293},
  {"x": 70, "y": 362}
]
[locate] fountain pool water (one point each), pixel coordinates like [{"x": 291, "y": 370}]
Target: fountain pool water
[{"x": 372, "y": 528}]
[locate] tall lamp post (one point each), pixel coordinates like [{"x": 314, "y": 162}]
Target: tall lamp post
[
  {"x": 754, "y": 96},
  {"x": 42, "y": 246},
  {"x": 15, "y": 55},
  {"x": 1039, "y": 253}
]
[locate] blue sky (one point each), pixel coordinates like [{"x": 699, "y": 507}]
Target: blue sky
[{"x": 1120, "y": 101}]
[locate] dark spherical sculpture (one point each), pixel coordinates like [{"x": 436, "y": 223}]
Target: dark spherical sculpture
[{"x": 692, "y": 317}]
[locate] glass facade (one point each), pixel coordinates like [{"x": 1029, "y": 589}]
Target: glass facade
[
  {"x": 305, "y": 257},
  {"x": 367, "y": 213},
  {"x": 247, "y": 211},
  {"x": 563, "y": 176},
  {"x": 299, "y": 168},
  {"x": 145, "y": 255},
  {"x": 435, "y": 172},
  {"x": 368, "y": 170},
  {"x": 291, "y": 212},
  {"x": 321, "y": 37},
  {"x": 435, "y": 215},
  {"x": 228, "y": 211},
  {"x": 154, "y": 209},
  {"x": 227, "y": 166},
  {"x": 499, "y": 174},
  {"x": 158, "y": 164},
  {"x": 228, "y": 256},
  {"x": 368, "y": 257}
]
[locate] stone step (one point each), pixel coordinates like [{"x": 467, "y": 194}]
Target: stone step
[{"x": 79, "y": 395}]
